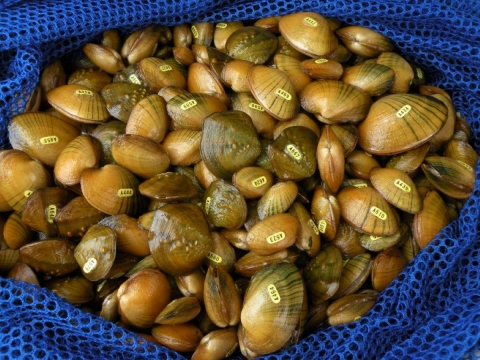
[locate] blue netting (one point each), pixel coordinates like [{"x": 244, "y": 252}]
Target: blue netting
[{"x": 432, "y": 311}]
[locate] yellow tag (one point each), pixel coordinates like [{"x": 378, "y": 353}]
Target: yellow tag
[
  {"x": 221, "y": 25},
  {"x": 49, "y": 140},
  {"x": 402, "y": 186},
  {"x": 310, "y": 21},
  {"x": 51, "y": 213},
  {"x": 465, "y": 165},
  {"x": 378, "y": 213},
  {"x": 345, "y": 262},
  {"x": 27, "y": 193},
  {"x": 279, "y": 236},
  {"x": 125, "y": 192},
  {"x": 134, "y": 79},
  {"x": 360, "y": 185},
  {"x": 90, "y": 265},
  {"x": 195, "y": 32},
  {"x": 321, "y": 61},
  {"x": 214, "y": 257},
  {"x": 255, "y": 106},
  {"x": 357, "y": 318},
  {"x": 207, "y": 204},
  {"x": 230, "y": 352},
  {"x": 373, "y": 238},
  {"x": 322, "y": 226},
  {"x": 404, "y": 111},
  {"x": 294, "y": 152},
  {"x": 165, "y": 68},
  {"x": 419, "y": 73},
  {"x": 189, "y": 104},
  {"x": 262, "y": 180},
  {"x": 313, "y": 226},
  {"x": 100, "y": 286},
  {"x": 273, "y": 292},
  {"x": 284, "y": 94},
  {"x": 84, "y": 92}
]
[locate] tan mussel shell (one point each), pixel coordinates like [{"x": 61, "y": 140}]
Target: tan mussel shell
[
  {"x": 183, "y": 55},
  {"x": 222, "y": 253},
  {"x": 202, "y": 80},
  {"x": 217, "y": 344},
  {"x": 224, "y": 205},
  {"x": 251, "y": 43},
  {"x": 121, "y": 97},
  {"x": 142, "y": 156},
  {"x": 183, "y": 146},
  {"x": 309, "y": 33},
  {"x": 321, "y": 68},
  {"x": 348, "y": 136},
  {"x": 40, "y": 135},
  {"x": 190, "y": 110},
  {"x": 335, "y": 102},
  {"x": 374, "y": 79},
  {"x": 354, "y": 274},
  {"x": 52, "y": 76},
  {"x": 359, "y": 164},
  {"x": 308, "y": 237},
  {"x": 292, "y": 154},
  {"x": 272, "y": 234},
  {"x": 149, "y": 118},
  {"x": 112, "y": 189},
  {"x": 8, "y": 258},
  {"x": 80, "y": 103},
  {"x": 179, "y": 337},
  {"x": 179, "y": 238},
  {"x": 274, "y": 298},
  {"x": 105, "y": 133},
  {"x": 379, "y": 243},
  {"x": 222, "y": 32},
  {"x": 23, "y": 272},
  {"x": 42, "y": 207},
  {"x": 15, "y": 232},
  {"x": 168, "y": 187},
  {"x": 104, "y": 57},
  {"x": 326, "y": 211},
  {"x": 291, "y": 67},
  {"x": 463, "y": 152},
  {"x": 367, "y": 211},
  {"x": 450, "y": 176},
  {"x": 141, "y": 43},
  {"x": 81, "y": 153},
  {"x": 52, "y": 256},
  {"x": 179, "y": 311},
  {"x": 274, "y": 91},
  {"x": 96, "y": 252},
  {"x": 300, "y": 119},
  {"x": 234, "y": 74},
  {"x": 349, "y": 308},
  {"x": 277, "y": 199},
  {"x": 403, "y": 71},
  {"x": 250, "y": 263},
  {"x": 330, "y": 159},
  {"x": 252, "y": 181},
  {"x": 400, "y": 122},
  {"x": 386, "y": 266},
  {"x": 347, "y": 240},
  {"x": 409, "y": 161},
  {"x": 158, "y": 73},
  {"x": 363, "y": 41},
  {"x": 264, "y": 122},
  {"x": 431, "y": 220},
  {"x": 229, "y": 143},
  {"x": 15, "y": 187},
  {"x": 76, "y": 290},
  {"x": 397, "y": 188},
  {"x": 192, "y": 284}
]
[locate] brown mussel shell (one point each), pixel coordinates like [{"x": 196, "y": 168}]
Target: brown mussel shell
[{"x": 251, "y": 43}]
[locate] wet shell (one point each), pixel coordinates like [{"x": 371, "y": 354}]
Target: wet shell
[
  {"x": 179, "y": 337},
  {"x": 142, "y": 156},
  {"x": 80, "y": 103},
  {"x": 15, "y": 232},
  {"x": 158, "y": 73},
  {"x": 403, "y": 71},
  {"x": 277, "y": 199},
  {"x": 349, "y": 308},
  {"x": 397, "y": 188},
  {"x": 334, "y": 102},
  {"x": 272, "y": 234},
  {"x": 250, "y": 263},
  {"x": 308, "y": 237},
  {"x": 105, "y": 133},
  {"x": 300, "y": 120},
  {"x": 410, "y": 160},
  {"x": 8, "y": 258},
  {"x": 359, "y": 164},
  {"x": 94, "y": 79},
  {"x": 168, "y": 187},
  {"x": 321, "y": 68},
  {"x": 179, "y": 311},
  {"x": 379, "y": 243},
  {"x": 222, "y": 253},
  {"x": 330, "y": 159},
  {"x": 309, "y": 33},
  {"x": 354, "y": 274},
  {"x": 76, "y": 290},
  {"x": 224, "y": 205},
  {"x": 292, "y": 154},
  {"x": 363, "y": 41},
  {"x": 121, "y": 97},
  {"x": 252, "y": 181},
  {"x": 291, "y": 67},
  {"x": 367, "y": 211},
  {"x": 326, "y": 211},
  {"x": 141, "y": 43},
  {"x": 192, "y": 284},
  {"x": 202, "y": 80},
  {"x": 274, "y": 91},
  {"x": 347, "y": 240},
  {"x": 104, "y": 57},
  {"x": 217, "y": 344},
  {"x": 386, "y": 266},
  {"x": 251, "y": 43},
  {"x": 149, "y": 118},
  {"x": 229, "y": 143},
  {"x": 222, "y": 32},
  {"x": 40, "y": 135},
  {"x": 81, "y": 153},
  {"x": 234, "y": 74},
  {"x": 180, "y": 238},
  {"x": 112, "y": 189},
  {"x": 374, "y": 79},
  {"x": 400, "y": 122},
  {"x": 183, "y": 146},
  {"x": 348, "y": 136},
  {"x": 23, "y": 272},
  {"x": 272, "y": 305},
  {"x": 96, "y": 252}
]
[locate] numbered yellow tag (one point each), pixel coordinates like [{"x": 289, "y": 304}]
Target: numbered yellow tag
[
  {"x": 273, "y": 292},
  {"x": 404, "y": 111},
  {"x": 262, "y": 180},
  {"x": 51, "y": 213},
  {"x": 165, "y": 68},
  {"x": 47, "y": 140},
  {"x": 283, "y": 94},
  {"x": 84, "y": 92},
  {"x": 255, "y": 106},
  {"x": 322, "y": 226},
  {"x": 321, "y": 61},
  {"x": 402, "y": 186},
  {"x": 90, "y": 265},
  {"x": 221, "y": 25},
  {"x": 194, "y": 32},
  {"x": 27, "y": 193},
  {"x": 208, "y": 200},
  {"x": 360, "y": 186},
  {"x": 310, "y": 21},
  {"x": 294, "y": 152},
  {"x": 465, "y": 165},
  {"x": 214, "y": 257},
  {"x": 378, "y": 213},
  {"x": 125, "y": 192},
  {"x": 188, "y": 104},
  {"x": 279, "y": 236},
  {"x": 313, "y": 226},
  {"x": 373, "y": 238},
  {"x": 134, "y": 79}
]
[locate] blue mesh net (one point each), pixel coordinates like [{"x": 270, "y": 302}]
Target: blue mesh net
[{"x": 431, "y": 311}]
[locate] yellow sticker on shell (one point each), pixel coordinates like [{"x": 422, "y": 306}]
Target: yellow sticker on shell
[
  {"x": 214, "y": 257},
  {"x": 51, "y": 213},
  {"x": 188, "y": 104},
  {"x": 322, "y": 226},
  {"x": 262, "y": 180},
  {"x": 90, "y": 265},
  {"x": 283, "y": 94},
  {"x": 274, "y": 295},
  {"x": 47, "y": 140},
  {"x": 84, "y": 92},
  {"x": 402, "y": 186},
  {"x": 378, "y": 213},
  {"x": 125, "y": 192},
  {"x": 404, "y": 111},
  {"x": 279, "y": 236},
  {"x": 294, "y": 152}
]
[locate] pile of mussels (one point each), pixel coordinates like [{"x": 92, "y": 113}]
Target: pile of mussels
[{"x": 209, "y": 185}]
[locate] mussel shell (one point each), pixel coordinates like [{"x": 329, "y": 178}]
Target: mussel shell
[
  {"x": 76, "y": 289},
  {"x": 180, "y": 337},
  {"x": 331, "y": 159},
  {"x": 222, "y": 253},
  {"x": 252, "y": 181},
  {"x": 80, "y": 103},
  {"x": 349, "y": 308},
  {"x": 54, "y": 257},
  {"x": 274, "y": 91},
  {"x": 168, "y": 187},
  {"x": 250, "y": 263},
  {"x": 120, "y": 98},
  {"x": 234, "y": 74},
  {"x": 363, "y": 41},
  {"x": 291, "y": 67},
  {"x": 141, "y": 43},
  {"x": 183, "y": 146},
  {"x": 217, "y": 344},
  {"x": 179, "y": 311},
  {"x": 308, "y": 237},
  {"x": 222, "y": 32},
  {"x": 359, "y": 163},
  {"x": 367, "y": 211},
  {"x": 374, "y": 79},
  {"x": 403, "y": 71},
  {"x": 105, "y": 133},
  {"x": 277, "y": 199},
  {"x": 300, "y": 119},
  {"x": 326, "y": 211},
  {"x": 104, "y": 57},
  {"x": 409, "y": 161},
  {"x": 15, "y": 233},
  {"x": 112, "y": 189},
  {"x": 273, "y": 304},
  {"x": 251, "y": 43},
  {"x": 202, "y": 80},
  {"x": 400, "y": 122},
  {"x": 293, "y": 153},
  {"x": 386, "y": 266},
  {"x": 158, "y": 73},
  {"x": 8, "y": 258},
  {"x": 321, "y": 68},
  {"x": 23, "y": 272},
  {"x": 180, "y": 238},
  {"x": 309, "y": 33},
  {"x": 229, "y": 143},
  {"x": 354, "y": 274}
]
